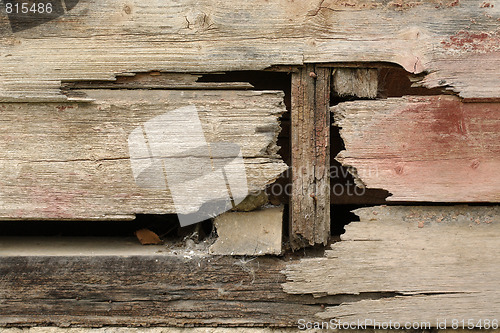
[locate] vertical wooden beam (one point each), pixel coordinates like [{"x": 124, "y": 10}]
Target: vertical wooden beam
[{"x": 310, "y": 200}]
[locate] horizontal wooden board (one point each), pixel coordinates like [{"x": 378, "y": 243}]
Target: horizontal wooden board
[
  {"x": 432, "y": 148},
  {"x": 118, "y": 282},
  {"x": 156, "y": 80},
  {"x": 456, "y": 42},
  {"x": 145, "y": 289},
  {"x": 72, "y": 160},
  {"x": 425, "y": 263}
]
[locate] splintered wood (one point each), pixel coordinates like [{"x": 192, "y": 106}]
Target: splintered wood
[
  {"x": 428, "y": 148},
  {"x": 414, "y": 264},
  {"x": 73, "y": 160},
  {"x": 310, "y": 202}
]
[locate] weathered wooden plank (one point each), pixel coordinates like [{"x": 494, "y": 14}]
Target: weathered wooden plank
[
  {"x": 426, "y": 263},
  {"x": 433, "y": 148},
  {"x": 157, "y": 80},
  {"x": 310, "y": 199},
  {"x": 359, "y": 82},
  {"x": 92, "y": 283},
  {"x": 455, "y": 41},
  {"x": 73, "y": 160}
]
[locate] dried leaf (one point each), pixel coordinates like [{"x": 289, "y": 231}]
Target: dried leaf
[{"x": 147, "y": 237}]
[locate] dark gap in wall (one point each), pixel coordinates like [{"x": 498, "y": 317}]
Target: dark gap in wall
[
  {"x": 397, "y": 82},
  {"x": 345, "y": 195},
  {"x": 165, "y": 226},
  {"x": 341, "y": 216}
]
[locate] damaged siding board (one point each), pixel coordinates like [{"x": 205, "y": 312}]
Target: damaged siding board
[
  {"x": 457, "y": 42},
  {"x": 425, "y": 263},
  {"x": 432, "y": 148},
  {"x": 310, "y": 200},
  {"x": 146, "y": 290},
  {"x": 72, "y": 160}
]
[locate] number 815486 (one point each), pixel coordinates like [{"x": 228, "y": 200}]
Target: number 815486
[{"x": 28, "y": 8}]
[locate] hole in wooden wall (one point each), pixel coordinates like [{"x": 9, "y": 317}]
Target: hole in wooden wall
[
  {"x": 397, "y": 82},
  {"x": 166, "y": 226},
  {"x": 341, "y": 216}
]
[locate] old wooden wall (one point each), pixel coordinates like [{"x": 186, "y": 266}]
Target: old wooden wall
[{"x": 67, "y": 109}]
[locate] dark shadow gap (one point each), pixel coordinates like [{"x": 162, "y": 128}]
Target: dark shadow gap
[{"x": 165, "y": 226}]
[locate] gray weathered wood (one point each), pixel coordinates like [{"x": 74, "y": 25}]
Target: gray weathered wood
[
  {"x": 426, "y": 263},
  {"x": 432, "y": 148},
  {"x": 157, "y": 80},
  {"x": 455, "y": 41},
  {"x": 310, "y": 119},
  {"x": 359, "y": 82},
  {"x": 100, "y": 283},
  {"x": 72, "y": 160}
]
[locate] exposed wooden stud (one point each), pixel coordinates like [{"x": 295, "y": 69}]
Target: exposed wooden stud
[{"x": 310, "y": 201}]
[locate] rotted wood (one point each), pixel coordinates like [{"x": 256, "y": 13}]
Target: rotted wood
[
  {"x": 157, "y": 80},
  {"x": 310, "y": 121},
  {"x": 427, "y": 264},
  {"x": 107, "y": 282},
  {"x": 358, "y": 82}
]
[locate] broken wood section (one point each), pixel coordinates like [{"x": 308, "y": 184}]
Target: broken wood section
[
  {"x": 157, "y": 80},
  {"x": 310, "y": 119},
  {"x": 78, "y": 161},
  {"x": 432, "y": 148},
  {"x": 424, "y": 263},
  {"x": 254, "y": 233}
]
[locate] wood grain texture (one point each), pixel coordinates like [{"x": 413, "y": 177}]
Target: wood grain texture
[
  {"x": 157, "y": 80},
  {"x": 433, "y": 148},
  {"x": 426, "y": 263},
  {"x": 72, "y": 160},
  {"x": 146, "y": 290},
  {"x": 359, "y": 82},
  {"x": 310, "y": 199},
  {"x": 456, "y": 42}
]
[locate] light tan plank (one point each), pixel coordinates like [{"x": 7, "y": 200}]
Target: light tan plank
[
  {"x": 72, "y": 160},
  {"x": 359, "y": 82}
]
